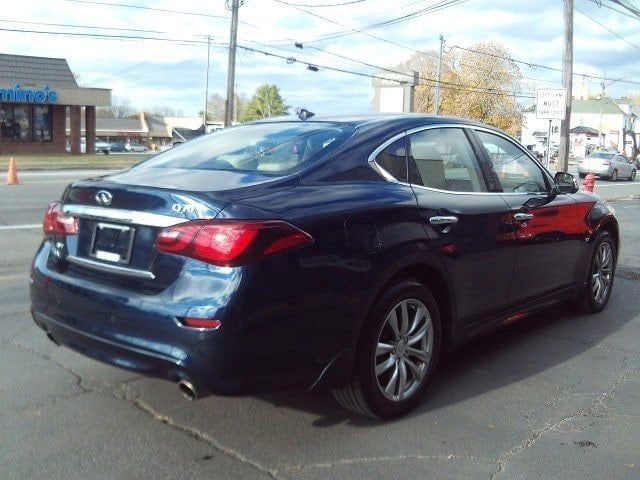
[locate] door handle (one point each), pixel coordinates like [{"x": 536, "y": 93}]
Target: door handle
[
  {"x": 440, "y": 220},
  {"x": 522, "y": 217}
]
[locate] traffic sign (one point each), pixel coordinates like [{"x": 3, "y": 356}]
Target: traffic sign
[{"x": 551, "y": 103}]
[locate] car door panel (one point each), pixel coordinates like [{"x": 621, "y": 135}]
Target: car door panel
[
  {"x": 548, "y": 231},
  {"x": 465, "y": 224}
]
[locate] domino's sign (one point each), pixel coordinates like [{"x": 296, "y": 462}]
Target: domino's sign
[{"x": 28, "y": 95}]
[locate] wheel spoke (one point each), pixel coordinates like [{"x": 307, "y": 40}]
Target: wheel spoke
[
  {"x": 416, "y": 372},
  {"x": 419, "y": 315},
  {"x": 392, "y": 320},
  {"x": 390, "y": 389},
  {"x": 419, "y": 354},
  {"x": 420, "y": 334},
  {"x": 402, "y": 380},
  {"x": 383, "y": 348},
  {"x": 404, "y": 319},
  {"x": 384, "y": 366}
]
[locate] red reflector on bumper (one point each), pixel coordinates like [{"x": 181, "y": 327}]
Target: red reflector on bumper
[{"x": 209, "y": 323}]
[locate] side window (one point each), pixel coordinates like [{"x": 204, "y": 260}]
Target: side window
[
  {"x": 442, "y": 158},
  {"x": 394, "y": 159},
  {"x": 516, "y": 171}
]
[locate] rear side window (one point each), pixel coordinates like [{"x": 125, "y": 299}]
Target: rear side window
[
  {"x": 442, "y": 158},
  {"x": 278, "y": 148},
  {"x": 517, "y": 172},
  {"x": 394, "y": 159}
]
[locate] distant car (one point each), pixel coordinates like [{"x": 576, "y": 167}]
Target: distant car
[
  {"x": 138, "y": 148},
  {"x": 611, "y": 165},
  {"x": 118, "y": 147},
  {"x": 102, "y": 147}
]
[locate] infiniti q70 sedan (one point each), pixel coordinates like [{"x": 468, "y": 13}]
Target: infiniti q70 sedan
[{"x": 345, "y": 253}]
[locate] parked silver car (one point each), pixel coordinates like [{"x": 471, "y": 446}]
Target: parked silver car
[{"x": 611, "y": 165}]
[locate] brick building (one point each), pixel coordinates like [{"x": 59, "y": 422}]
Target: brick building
[{"x": 37, "y": 95}]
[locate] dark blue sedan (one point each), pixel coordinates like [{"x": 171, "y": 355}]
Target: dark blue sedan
[{"x": 345, "y": 253}]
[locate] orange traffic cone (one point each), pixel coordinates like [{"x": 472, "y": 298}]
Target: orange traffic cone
[{"x": 12, "y": 174}]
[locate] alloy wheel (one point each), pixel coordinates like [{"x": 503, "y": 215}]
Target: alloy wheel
[
  {"x": 404, "y": 350},
  {"x": 602, "y": 273},
  {"x": 614, "y": 176}
]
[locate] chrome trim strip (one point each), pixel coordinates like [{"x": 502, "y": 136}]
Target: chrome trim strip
[
  {"x": 47, "y": 318},
  {"x": 391, "y": 178},
  {"x": 106, "y": 268},
  {"x": 124, "y": 216}
]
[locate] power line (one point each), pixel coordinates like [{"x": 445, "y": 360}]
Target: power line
[
  {"x": 351, "y": 2},
  {"x": 634, "y": 45},
  {"x": 537, "y": 65},
  {"x": 162, "y": 10},
  {"x": 450, "y": 85}
]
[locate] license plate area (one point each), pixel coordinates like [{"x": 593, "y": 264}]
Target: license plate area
[{"x": 112, "y": 243}]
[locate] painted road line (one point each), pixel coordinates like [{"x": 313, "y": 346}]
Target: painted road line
[
  {"x": 8, "y": 278},
  {"x": 21, "y": 227}
]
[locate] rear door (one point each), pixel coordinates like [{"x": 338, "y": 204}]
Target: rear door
[
  {"x": 548, "y": 237},
  {"x": 463, "y": 220}
]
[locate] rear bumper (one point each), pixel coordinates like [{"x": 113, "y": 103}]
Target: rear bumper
[{"x": 142, "y": 332}]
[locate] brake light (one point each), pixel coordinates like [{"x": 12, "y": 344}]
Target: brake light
[
  {"x": 56, "y": 222},
  {"x": 207, "y": 323},
  {"x": 231, "y": 242}
]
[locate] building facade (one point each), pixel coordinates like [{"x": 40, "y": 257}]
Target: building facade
[{"x": 37, "y": 95}]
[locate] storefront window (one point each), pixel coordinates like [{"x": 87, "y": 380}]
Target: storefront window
[
  {"x": 21, "y": 124},
  {"x": 42, "y": 124},
  {"x": 25, "y": 123}
]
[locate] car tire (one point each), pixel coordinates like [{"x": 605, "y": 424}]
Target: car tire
[
  {"x": 588, "y": 301},
  {"x": 632, "y": 177},
  {"x": 366, "y": 393},
  {"x": 614, "y": 176}
]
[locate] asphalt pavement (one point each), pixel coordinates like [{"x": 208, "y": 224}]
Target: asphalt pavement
[{"x": 553, "y": 396}]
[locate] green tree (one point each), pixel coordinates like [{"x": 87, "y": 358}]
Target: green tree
[{"x": 266, "y": 102}]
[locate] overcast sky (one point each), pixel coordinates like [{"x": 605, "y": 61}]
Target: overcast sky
[{"x": 168, "y": 73}]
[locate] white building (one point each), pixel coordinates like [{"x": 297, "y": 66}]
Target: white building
[{"x": 594, "y": 122}]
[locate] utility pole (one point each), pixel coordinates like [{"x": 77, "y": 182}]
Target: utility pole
[
  {"x": 567, "y": 78},
  {"x": 206, "y": 86},
  {"x": 438, "y": 73},
  {"x": 603, "y": 84},
  {"x": 231, "y": 71}
]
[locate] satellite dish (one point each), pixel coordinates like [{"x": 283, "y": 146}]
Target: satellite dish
[{"x": 304, "y": 114}]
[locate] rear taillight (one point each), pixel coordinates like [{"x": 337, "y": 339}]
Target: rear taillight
[
  {"x": 231, "y": 242},
  {"x": 56, "y": 222}
]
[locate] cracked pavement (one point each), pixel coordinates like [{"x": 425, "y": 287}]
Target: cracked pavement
[{"x": 554, "y": 396}]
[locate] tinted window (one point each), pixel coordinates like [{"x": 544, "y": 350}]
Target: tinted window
[
  {"x": 270, "y": 148},
  {"x": 394, "y": 159},
  {"x": 442, "y": 158},
  {"x": 516, "y": 171},
  {"x": 604, "y": 155}
]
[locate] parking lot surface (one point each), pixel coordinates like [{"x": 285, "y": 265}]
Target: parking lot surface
[{"x": 556, "y": 395}]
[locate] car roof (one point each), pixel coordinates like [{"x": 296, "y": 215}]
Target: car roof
[{"x": 386, "y": 119}]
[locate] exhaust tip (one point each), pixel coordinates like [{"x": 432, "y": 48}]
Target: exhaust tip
[{"x": 188, "y": 390}]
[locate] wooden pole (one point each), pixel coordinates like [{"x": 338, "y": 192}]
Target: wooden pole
[{"x": 567, "y": 77}]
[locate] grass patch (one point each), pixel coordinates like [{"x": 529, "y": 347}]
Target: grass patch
[{"x": 61, "y": 161}]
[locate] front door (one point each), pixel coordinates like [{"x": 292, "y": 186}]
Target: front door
[
  {"x": 548, "y": 237},
  {"x": 468, "y": 225}
]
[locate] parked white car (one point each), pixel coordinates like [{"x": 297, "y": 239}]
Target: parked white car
[{"x": 611, "y": 165}]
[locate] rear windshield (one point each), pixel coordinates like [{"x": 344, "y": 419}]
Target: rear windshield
[{"x": 269, "y": 148}]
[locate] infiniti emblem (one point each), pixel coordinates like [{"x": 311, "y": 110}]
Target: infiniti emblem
[{"x": 104, "y": 198}]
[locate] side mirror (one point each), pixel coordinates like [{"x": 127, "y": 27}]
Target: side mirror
[{"x": 565, "y": 183}]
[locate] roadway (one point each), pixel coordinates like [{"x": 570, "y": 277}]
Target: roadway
[{"x": 553, "y": 396}]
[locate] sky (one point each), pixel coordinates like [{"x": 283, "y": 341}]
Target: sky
[{"x": 172, "y": 72}]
